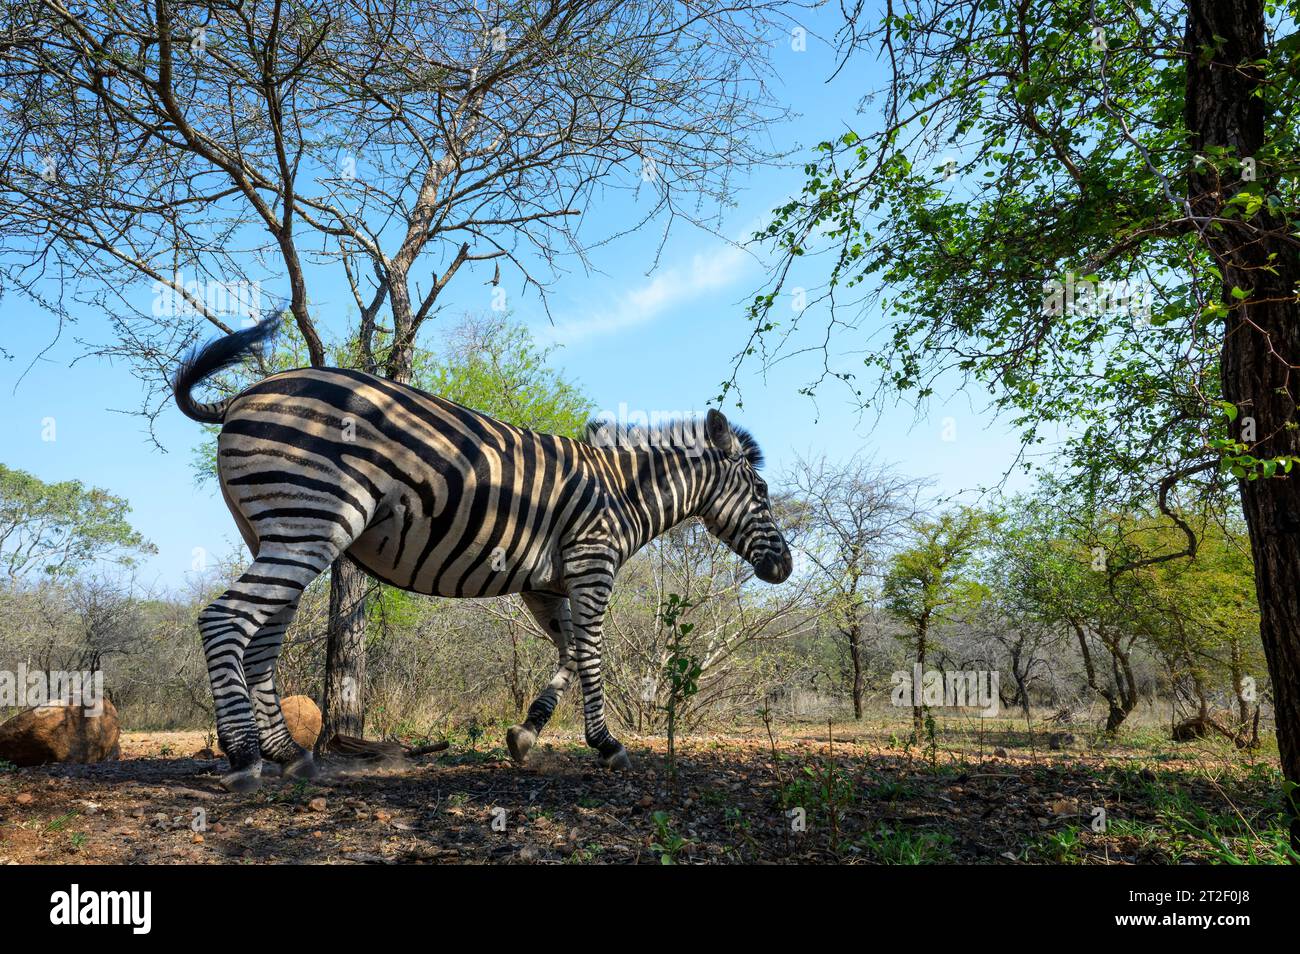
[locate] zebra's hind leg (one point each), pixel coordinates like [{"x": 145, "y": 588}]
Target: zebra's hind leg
[
  {"x": 552, "y": 615},
  {"x": 228, "y": 625},
  {"x": 259, "y": 668}
]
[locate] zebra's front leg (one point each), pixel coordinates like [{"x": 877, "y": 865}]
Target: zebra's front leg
[
  {"x": 553, "y": 616},
  {"x": 588, "y": 604},
  {"x": 259, "y": 668}
]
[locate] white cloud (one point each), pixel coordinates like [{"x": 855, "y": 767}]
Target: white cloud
[{"x": 707, "y": 272}]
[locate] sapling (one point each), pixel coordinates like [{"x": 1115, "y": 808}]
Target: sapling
[{"x": 681, "y": 670}]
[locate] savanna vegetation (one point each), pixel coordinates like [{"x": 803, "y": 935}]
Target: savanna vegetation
[{"x": 1083, "y": 212}]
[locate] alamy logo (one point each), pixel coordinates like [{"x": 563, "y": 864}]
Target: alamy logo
[
  {"x": 74, "y": 907},
  {"x": 933, "y": 689},
  {"x": 32, "y": 688}
]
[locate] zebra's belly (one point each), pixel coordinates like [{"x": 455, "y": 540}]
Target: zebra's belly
[{"x": 487, "y": 561}]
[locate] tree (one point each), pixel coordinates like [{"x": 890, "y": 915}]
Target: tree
[
  {"x": 1200, "y": 615},
  {"x": 52, "y": 531},
  {"x": 1088, "y": 208},
  {"x": 494, "y": 365},
  {"x": 927, "y": 584},
  {"x": 1057, "y": 553},
  {"x": 190, "y": 146},
  {"x": 853, "y": 514}
]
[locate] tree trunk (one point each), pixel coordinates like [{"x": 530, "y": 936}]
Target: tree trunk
[
  {"x": 1021, "y": 676},
  {"x": 345, "y": 655},
  {"x": 918, "y": 712},
  {"x": 1226, "y": 107},
  {"x": 854, "y": 635}
]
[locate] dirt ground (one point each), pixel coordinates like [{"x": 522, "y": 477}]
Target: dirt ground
[{"x": 739, "y": 798}]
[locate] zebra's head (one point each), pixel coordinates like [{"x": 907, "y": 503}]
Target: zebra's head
[{"x": 739, "y": 511}]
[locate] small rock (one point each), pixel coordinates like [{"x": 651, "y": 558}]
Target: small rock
[
  {"x": 383, "y": 817},
  {"x": 646, "y": 801},
  {"x": 24, "y": 798},
  {"x": 317, "y": 804},
  {"x": 1063, "y": 806},
  {"x": 197, "y": 839}
]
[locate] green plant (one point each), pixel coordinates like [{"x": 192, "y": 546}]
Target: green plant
[
  {"x": 667, "y": 843},
  {"x": 824, "y": 790},
  {"x": 890, "y": 790},
  {"x": 931, "y": 748},
  {"x": 1063, "y": 847},
  {"x": 60, "y": 823},
  {"x": 585, "y": 854},
  {"x": 681, "y": 671},
  {"x": 889, "y": 846}
]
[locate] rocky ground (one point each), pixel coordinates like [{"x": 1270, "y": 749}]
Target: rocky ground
[{"x": 738, "y": 798}]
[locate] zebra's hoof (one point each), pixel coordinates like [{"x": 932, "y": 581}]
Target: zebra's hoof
[
  {"x": 244, "y": 781},
  {"x": 520, "y": 740},
  {"x": 303, "y": 768},
  {"x": 617, "y": 761}
]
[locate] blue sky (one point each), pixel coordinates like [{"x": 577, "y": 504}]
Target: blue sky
[{"x": 631, "y": 333}]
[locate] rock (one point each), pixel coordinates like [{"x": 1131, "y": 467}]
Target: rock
[
  {"x": 999, "y": 753},
  {"x": 317, "y": 804},
  {"x": 60, "y": 733},
  {"x": 24, "y": 798},
  {"x": 1064, "y": 806},
  {"x": 302, "y": 716}
]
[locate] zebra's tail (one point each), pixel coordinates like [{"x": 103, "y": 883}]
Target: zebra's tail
[{"x": 216, "y": 356}]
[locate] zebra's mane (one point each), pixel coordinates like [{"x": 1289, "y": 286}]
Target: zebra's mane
[{"x": 687, "y": 432}]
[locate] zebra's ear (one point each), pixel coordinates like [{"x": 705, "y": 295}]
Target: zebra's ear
[{"x": 719, "y": 431}]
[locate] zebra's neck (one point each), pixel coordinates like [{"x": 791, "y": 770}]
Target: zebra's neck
[{"x": 655, "y": 489}]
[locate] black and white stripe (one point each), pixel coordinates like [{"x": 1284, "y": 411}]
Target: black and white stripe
[{"x": 435, "y": 498}]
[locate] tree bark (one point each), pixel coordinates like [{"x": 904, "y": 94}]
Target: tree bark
[
  {"x": 345, "y": 655},
  {"x": 854, "y": 636},
  {"x": 1226, "y": 107},
  {"x": 918, "y": 712}
]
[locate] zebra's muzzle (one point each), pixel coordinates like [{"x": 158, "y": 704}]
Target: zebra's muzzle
[{"x": 774, "y": 568}]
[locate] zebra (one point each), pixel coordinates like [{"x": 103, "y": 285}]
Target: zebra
[{"x": 435, "y": 498}]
